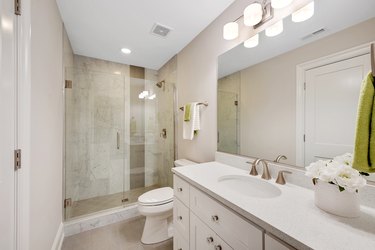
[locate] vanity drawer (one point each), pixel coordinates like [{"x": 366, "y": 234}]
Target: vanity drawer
[
  {"x": 181, "y": 218},
  {"x": 203, "y": 238},
  {"x": 237, "y": 232},
  {"x": 179, "y": 242},
  {"x": 181, "y": 189}
]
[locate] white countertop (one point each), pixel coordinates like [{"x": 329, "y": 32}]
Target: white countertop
[{"x": 292, "y": 216}]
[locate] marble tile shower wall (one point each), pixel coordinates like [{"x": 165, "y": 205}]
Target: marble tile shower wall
[
  {"x": 97, "y": 107},
  {"x": 94, "y": 115}
]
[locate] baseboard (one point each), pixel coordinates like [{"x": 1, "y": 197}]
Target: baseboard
[{"x": 59, "y": 238}]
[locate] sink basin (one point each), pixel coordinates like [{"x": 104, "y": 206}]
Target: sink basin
[{"x": 250, "y": 186}]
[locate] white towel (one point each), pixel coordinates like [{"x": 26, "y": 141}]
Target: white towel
[{"x": 194, "y": 124}]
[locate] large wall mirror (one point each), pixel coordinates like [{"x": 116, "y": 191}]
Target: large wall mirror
[{"x": 296, "y": 94}]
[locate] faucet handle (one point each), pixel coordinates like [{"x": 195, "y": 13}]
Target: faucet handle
[
  {"x": 253, "y": 170},
  {"x": 280, "y": 157},
  {"x": 280, "y": 177}
]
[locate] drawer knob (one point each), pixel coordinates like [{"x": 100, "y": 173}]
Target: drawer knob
[
  {"x": 179, "y": 217},
  {"x": 215, "y": 218},
  {"x": 218, "y": 247},
  {"x": 210, "y": 239},
  {"x": 180, "y": 249},
  {"x": 179, "y": 189}
]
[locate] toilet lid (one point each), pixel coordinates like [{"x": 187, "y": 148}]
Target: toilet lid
[{"x": 157, "y": 196}]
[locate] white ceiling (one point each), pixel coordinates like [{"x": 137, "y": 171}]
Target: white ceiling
[
  {"x": 100, "y": 28},
  {"x": 333, "y": 15}
]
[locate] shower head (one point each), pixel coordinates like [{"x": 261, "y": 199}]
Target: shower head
[{"x": 160, "y": 84}]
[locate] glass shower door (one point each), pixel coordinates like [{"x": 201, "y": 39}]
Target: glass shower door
[
  {"x": 94, "y": 141},
  {"x": 227, "y": 125},
  {"x": 151, "y": 136}
]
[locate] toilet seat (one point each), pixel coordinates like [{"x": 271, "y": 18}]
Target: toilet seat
[{"x": 156, "y": 197}]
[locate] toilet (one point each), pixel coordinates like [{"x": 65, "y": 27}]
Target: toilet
[{"x": 157, "y": 206}]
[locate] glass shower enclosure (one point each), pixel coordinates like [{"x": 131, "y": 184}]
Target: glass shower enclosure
[{"x": 119, "y": 134}]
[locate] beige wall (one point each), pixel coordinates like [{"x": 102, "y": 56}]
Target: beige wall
[
  {"x": 197, "y": 77},
  {"x": 46, "y": 129},
  {"x": 268, "y": 92}
]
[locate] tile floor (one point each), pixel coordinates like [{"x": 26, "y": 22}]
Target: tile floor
[
  {"x": 119, "y": 236},
  {"x": 88, "y": 206}
]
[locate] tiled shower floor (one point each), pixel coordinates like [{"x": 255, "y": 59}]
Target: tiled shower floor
[{"x": 100, "y": 203}]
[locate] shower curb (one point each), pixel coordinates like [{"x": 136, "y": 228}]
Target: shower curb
[{"x": 100, "y": 219}]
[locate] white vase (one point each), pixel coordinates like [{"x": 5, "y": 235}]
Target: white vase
[{"x": 329, "y": 198}]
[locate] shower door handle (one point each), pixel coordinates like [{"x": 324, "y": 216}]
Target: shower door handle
[{"x": 118, "y": 140}]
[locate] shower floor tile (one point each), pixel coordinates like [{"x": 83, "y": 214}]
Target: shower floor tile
[
  {"x": 92, "y": 205},
  {"x": 119, "y": 236}
]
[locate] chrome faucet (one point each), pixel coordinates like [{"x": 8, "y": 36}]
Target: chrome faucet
[
  {"x": 266, "y": 174},
  {"x": 280, "y": 157}
]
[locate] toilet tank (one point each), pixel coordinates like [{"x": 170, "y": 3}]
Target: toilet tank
[{"x": 183, "y": 162}]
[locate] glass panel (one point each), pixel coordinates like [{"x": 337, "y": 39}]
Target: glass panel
[
  {"x": 94, "y": 141},
  {"x": 151, "y": 149},
  {"x": 227, "y": 116}
]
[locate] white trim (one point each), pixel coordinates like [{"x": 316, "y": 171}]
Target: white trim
[
  {"x": 24, "y": 92},
  {"x": 59, "y": 238},
  {"x": 300, "y": 93}
]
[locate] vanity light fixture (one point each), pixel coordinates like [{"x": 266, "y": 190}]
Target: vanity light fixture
[
  {"x": 252, "y": 41},
  {"x": 230, "y": 31},
  {"x": 126, "y": 51},
  {"x": 275, "y": 29},
  {"x": 147, "y": 95},
  {"x": 143, "y": 95},
  {"x": 304, "y": 13},
  {"x": 253, "y": 14},
  {"x": 279, "y": 4}
]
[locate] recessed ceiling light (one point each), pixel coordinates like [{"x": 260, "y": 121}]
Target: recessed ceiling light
[{"x": 126, "y": 51}]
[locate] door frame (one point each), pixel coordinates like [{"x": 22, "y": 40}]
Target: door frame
[
  {"x": 23, "y": 126},
  {"x": 300, "y": 90}
]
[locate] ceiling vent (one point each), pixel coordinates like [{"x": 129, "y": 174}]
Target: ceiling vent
[
  {"x": 160, "y": 30},
  {"x": 315, "y": 33}
]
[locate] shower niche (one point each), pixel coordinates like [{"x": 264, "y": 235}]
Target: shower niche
[{"x": 119, "y": 133}]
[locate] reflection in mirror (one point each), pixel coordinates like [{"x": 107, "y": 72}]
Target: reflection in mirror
[{"x": 259, "y": 92}]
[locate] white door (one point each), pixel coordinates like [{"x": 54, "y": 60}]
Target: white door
[
  {"x": 7, "y": 125},
  {"x": 331, "y": 100}
]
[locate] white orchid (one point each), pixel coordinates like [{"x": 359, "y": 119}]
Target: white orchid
[{"x": 338, "y": 171}]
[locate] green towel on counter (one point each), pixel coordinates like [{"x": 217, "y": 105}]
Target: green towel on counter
[
  {"x": 187, "y": 113},
  {"x": 364, "y": 147}
]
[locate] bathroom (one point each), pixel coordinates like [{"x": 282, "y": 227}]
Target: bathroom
[{"x": 98, "y": 152}]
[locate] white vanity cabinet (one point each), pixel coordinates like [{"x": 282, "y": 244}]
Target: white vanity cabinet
[
  {"x": 272, "y": 243},
  {"x": 202, "y": 223},
  {"x": 181, "y": 214}
]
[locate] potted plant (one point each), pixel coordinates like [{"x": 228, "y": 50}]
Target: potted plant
[{"x": 336, "y": 185}]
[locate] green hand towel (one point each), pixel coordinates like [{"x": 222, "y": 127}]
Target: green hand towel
[
  {"x": 364, "y": 147},
  {"x": 187, "y": 112}
]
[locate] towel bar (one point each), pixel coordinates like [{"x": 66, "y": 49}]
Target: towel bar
[{"x": 199, "y": 103}]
